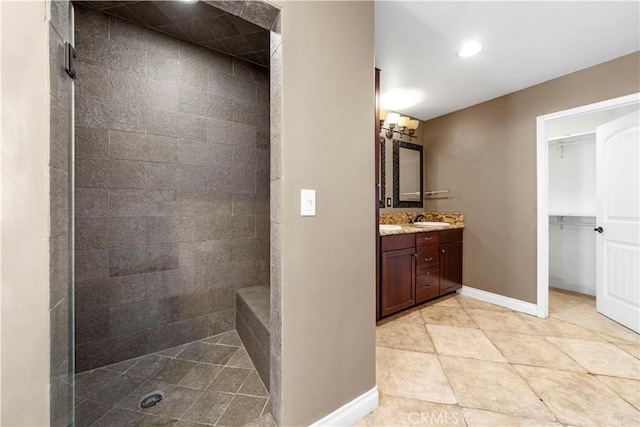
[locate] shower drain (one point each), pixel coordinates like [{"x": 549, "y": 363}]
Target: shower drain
[{"x": 151, "y": 399}]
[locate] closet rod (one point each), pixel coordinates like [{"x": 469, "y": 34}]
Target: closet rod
[{"x": 561, "y": 222}]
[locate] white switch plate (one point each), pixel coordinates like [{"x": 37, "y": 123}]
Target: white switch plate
[{"x": 308, "y": 202}]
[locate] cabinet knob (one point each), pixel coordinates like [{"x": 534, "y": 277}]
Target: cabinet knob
[
  {"x": 443, "y": 251},
  {"x": 428, "y": 259}
]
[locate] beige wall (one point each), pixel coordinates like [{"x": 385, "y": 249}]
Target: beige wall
[
  {"x": 328, "y": 261},
  {"x": 25, "y": 220},
  {"x": 486, "y": 156}
]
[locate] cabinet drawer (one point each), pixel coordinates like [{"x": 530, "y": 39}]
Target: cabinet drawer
[
  {"x": 428, "y": 255},
  {"x": 398, "y": 241},
  {"x": 451, "y": 235},
  {"x": 432, "y": 269},
  {"x": 427, "y": 287},
  {"x": 424, "y": 239}
]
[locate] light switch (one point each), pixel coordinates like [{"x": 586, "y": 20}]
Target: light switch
[{"x": 308, "y": 202}]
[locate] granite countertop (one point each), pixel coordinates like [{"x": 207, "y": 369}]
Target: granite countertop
[{"x": 408, "y": 228}]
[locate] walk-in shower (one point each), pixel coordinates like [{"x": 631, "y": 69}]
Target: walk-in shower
[{"x": 172, "y": 211}]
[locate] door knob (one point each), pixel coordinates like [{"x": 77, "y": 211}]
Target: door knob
[{"x": 599, "y": 229}]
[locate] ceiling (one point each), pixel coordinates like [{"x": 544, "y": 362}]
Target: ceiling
[
  {"x": 525, "y": 43},
  {"x": 200, "y": 23}
]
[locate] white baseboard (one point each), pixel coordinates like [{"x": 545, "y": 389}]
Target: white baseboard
[
  {"x": 502, "y": 301},
  {"x": 352, "y": 412},
  {"x": 576, "y": 288}
]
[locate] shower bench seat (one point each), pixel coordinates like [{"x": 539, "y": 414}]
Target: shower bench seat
[{"x": 253, "y": 324}]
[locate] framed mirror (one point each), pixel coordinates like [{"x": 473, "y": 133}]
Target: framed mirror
[
  {"x": 382, "y": 167},
  {"x": 407, "y": 175}
]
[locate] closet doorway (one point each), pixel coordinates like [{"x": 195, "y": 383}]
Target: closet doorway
[{"x": 588, "y": 211}]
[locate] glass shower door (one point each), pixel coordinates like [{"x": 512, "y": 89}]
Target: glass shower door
[{"x": 61, "y": 169}]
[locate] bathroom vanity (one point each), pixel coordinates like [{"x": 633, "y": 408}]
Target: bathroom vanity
[{"x": 417, "y": 266}]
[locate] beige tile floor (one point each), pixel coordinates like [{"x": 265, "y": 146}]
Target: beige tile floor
[{"x": 460, "y": 361}]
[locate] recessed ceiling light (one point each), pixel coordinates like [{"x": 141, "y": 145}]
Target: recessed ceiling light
[{"x": 469, "y": 49}]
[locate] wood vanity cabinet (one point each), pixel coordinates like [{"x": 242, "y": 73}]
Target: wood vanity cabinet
[
  {"x": 397, "y": 267},
  {"x": 419, "y": 267}
]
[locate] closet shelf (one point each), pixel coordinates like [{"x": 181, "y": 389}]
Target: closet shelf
[
  {"x": 589, "y": 214},
  {"x": 576, "y": 137}
]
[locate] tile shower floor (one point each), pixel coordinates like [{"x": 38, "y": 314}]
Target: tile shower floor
[
  {"x": 207, "y": 382},
  {"x": 461, "y": 362}
]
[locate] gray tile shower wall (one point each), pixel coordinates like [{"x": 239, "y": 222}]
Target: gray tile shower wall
[{"x": 172, "y": 216}]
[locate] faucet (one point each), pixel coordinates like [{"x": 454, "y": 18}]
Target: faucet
[{"x": 418, "y": 218}]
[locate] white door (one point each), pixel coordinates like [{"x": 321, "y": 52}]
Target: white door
[{"x": 618, "y": 198}]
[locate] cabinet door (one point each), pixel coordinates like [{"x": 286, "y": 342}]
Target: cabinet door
[
  {"x": 450, "y": 267},
  {"x": 398, "y": 280}
]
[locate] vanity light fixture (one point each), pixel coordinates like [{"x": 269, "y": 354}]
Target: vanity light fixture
[
  {"x": 189, "y": 1},
  {"x": 469, "y": 49},
  {"x": 392, "y": 119},
  {"x": 391, "y": 122},
  {"x": 402, "y": 123},
  {"x": 412, "y": 126},
  {"x": 405, "y": 126},
  {"x": 383, "y": 116}
]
